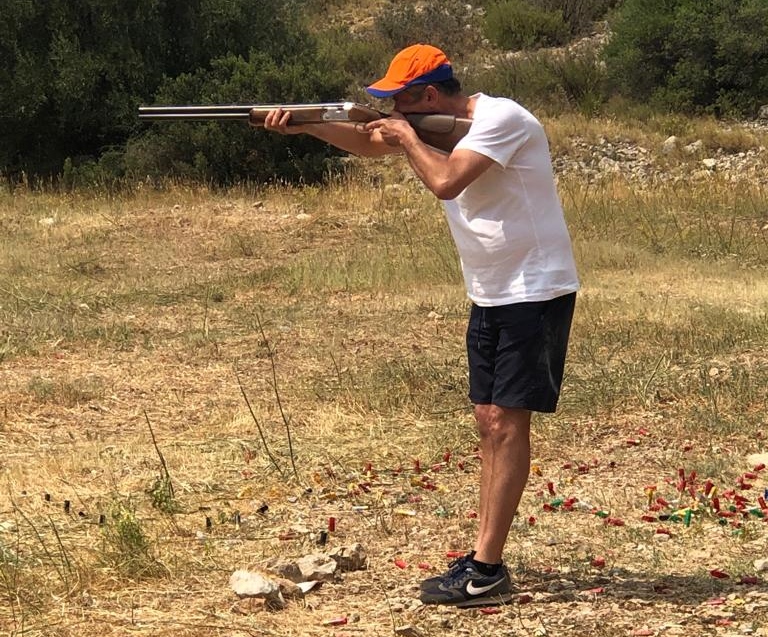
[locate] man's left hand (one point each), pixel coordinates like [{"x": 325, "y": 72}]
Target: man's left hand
[{"x": 394, "y": 130}]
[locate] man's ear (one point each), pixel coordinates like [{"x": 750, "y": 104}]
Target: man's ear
[{"x": 431, "y": 95}]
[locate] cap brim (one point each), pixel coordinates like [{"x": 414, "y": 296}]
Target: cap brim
[
  {"x": 388, "y": 88},
  {"x": 377, "y": 92}
]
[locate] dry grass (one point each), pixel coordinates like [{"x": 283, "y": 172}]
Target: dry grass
[
  {"x": 117, "y": 314},
  {"x": 650, "y": 132}
]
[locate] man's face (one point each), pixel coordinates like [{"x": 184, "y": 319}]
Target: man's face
[{"x": 413, "y": 100}]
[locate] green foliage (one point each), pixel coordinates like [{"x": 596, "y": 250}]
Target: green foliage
[
  {"x": 230, "y": 152},
  {"x": 579, "y": 15},
  {"x": 358, "y": 59},
  {"x": 567, "y": 82},
  {"x": 692, "y": 56},
  {"x": 516, "y": 24},
  {"x": 162, "y": 495},
  {"x": 127, "y": 548},
  {"x": 72, "y": 74},
  {"x": 450, "y": 25}
]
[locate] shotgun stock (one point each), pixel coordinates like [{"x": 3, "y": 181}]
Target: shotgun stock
[{"x": 439, "y": 131}]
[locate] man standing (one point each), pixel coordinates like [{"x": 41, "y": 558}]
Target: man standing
[{"x": 502, "y": 207}]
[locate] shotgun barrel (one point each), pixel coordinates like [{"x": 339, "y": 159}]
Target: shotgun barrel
[{"x": 440, "y": 131}]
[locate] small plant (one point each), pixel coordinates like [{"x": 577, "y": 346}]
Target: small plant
[
  {"x": 127, "y": 548},
  {"x": 162, "y": 495},
  {"x": 66, "y": 392},
  {"x": 161, "y": 491}
]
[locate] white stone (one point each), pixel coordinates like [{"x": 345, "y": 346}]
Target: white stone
[
  {"x": 249, "y": 584},
  {"x": 317, "y": 567},
  {"x": 758, "y": 458},
  {"x": 669, "y": 145},
  {"x": 694, "y": 147},
  {"x": 9, "y": 526}
]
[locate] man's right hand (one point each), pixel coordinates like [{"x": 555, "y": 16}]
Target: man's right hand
[{"x": 277, "y": 122}]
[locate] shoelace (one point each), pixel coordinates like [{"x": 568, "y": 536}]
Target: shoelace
[
  {"x": 458, "y": 564},
  {"x": 457, "y": 575}
]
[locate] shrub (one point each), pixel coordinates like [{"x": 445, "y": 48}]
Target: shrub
[
  {"x": 554, "y": 83},
  {"x": 516, "y": 24},
  {"x": 72, "y": 73},
  {"x": 691, "y": 56},
  {"x": 450, "y": 25},
  {"x": 359, "y": 59},
  {"x": 230, "y": 152},
  {"x": 126, "y": 546},
  {"x": 579, "y": 15}
]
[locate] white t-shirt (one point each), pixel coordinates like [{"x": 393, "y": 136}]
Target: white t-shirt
[{"x": 508, "y": 224}]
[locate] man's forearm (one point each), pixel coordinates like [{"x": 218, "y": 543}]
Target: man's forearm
[
  {"x": 430, "y": 166},
  {"x": 351, "y": 138}
]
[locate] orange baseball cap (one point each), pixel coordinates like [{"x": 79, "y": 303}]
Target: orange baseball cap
[{"x": 416, "y": 64}]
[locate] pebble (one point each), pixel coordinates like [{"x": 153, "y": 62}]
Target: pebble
[{"x": 596, "y": 161}]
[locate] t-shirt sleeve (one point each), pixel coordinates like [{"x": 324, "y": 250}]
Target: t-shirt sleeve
[{"x": 498, "y": 132}]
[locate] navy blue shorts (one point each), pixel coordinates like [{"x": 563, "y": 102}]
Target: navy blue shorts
[{"x": 517, "y": 353}]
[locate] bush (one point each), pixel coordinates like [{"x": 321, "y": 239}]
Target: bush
[
  {"x": 691, "y": 56},
  {"x": 230, "y": 152},
  {"x": 556, "y": 84},
  {"x": 579, "y": 15},
  {"x": 359, "y": 59},
  {"x": 450, "y": 25},
  {"x": 72, "y": 73},
  {"x": 516, "y": 24}
]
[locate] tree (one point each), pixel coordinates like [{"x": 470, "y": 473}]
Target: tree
[
  {"x": 73, "y": 73},
  {"x": 692, "y": 55}
]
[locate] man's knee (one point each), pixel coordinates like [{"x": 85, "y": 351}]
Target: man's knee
[{"x": 494, "y": 421}]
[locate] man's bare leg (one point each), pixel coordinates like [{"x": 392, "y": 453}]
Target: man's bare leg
[{"x": 506, "y": 460}]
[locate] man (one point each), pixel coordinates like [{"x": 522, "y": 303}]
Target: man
[{"x": 505, "y": 216}]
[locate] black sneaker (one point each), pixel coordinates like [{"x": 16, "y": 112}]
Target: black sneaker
[
  {"x": 456, "y": 565},
  {"x": 466, "y": 587}
]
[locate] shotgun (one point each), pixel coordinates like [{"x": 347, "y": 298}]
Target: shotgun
[{"x": 439, "y": 131}]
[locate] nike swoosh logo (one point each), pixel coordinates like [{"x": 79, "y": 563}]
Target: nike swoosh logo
[{"x": 479, "y": 590}]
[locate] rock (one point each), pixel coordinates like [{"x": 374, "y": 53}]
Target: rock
[
  {"x": 669, "y": 146},
  {"x": 350, "y": 558},
  {"x": 9, "y": 526},
  {"x": 249, "y": 584},
  {"x": 290, "y": 589},
  {"x": 305, "y": 587},
  {"x": 761, "y": 565},
  {"x": 249, "y": 605},
  {"x": 694, "y": 147},
  {"x": 408, "y": 631},
  {"x": 762, "y": 112},
  {"x": 285, "y": 569},
  {"x": 606, "y": 164},
  {"x": 317, "y": 567},
  {"x": 709, "y": 163},
  {"x": 758, "y": 458}
]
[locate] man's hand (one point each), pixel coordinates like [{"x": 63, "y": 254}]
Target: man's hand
[
  {"x": 394, "y": 130},
  {"x": 278, "y": 120},
  {"x": 352, "y": 137}
]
